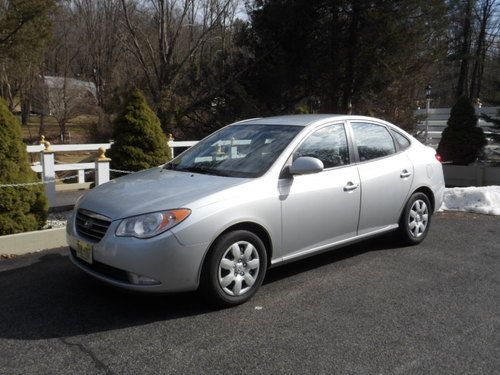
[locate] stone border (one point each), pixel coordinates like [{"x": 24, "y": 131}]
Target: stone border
[{"x": 28, "y": 242}]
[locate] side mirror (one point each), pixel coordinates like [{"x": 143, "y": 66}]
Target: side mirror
[{"x": 306, "y": 165}]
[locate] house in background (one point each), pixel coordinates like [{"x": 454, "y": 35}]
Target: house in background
[{"x": 63, "y": 97}]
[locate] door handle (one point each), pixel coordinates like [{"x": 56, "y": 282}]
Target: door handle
[
  {"x": 351, "y": 186},
  {"x": 405, "y": 173}
]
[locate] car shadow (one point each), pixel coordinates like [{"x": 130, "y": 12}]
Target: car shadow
[
  {"x": 385, "y": 242},
  {"x": 51, "y": 298}
]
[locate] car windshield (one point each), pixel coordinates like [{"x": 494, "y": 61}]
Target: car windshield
[{"x": 236, "y": 151}]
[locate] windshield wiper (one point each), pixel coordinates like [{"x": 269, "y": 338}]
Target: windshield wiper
[
  {"x": 196, "y": 169},
  {"x": 204, "y": 170},
  {"x": 170, "y": 166}
]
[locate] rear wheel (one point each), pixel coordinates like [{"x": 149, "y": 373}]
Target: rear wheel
[
  {"x": 415, "y": 220},
  {"x": 234, "y": 269}
]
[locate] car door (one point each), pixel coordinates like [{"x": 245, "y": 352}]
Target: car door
[
  {"x": 386, "y": 176},
  {"x": 321, "y": 208}
]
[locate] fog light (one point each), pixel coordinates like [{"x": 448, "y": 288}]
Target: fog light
[{"x": 141, "y": 279}]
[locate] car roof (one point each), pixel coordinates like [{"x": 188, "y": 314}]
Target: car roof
[{"x": 302, "y": 120}]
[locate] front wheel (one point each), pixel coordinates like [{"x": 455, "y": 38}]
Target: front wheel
[
  {"x": 234, "y": 269},
  {"x": 415, "y": 220}
]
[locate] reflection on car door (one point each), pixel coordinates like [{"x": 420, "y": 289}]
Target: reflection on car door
[
  {"x": 386, "y": 176},
  {"x": 322, "y": 208}
]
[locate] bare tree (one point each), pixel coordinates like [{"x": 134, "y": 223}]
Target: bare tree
[
  {"x": 168, "y": 48},
  {"x": 467, "y": 30},
  {"x": 485, "y": 15},
  {"x": 67, "y": 99},
  {"x": 98, "y": 22}
]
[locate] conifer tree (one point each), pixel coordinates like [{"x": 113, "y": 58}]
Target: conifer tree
[
  {"x": 21, "y": 208},
  {"x": 139, "y": 142},
  {"x": 462, "y": 141}
]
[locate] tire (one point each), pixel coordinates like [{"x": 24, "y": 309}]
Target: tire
[
  {"x": 234, "y": 269},
  {"x": 415, "y": 220}
]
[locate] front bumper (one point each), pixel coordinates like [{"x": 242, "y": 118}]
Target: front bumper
[{"x": 117, "y": 260}]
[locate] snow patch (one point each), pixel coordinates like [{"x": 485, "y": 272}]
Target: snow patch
[{"x": 482, "y": 200}]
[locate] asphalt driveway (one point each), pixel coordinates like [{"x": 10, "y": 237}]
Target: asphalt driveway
[{"x": 369, "y": 308}]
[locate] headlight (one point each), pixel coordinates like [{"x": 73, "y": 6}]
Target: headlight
[{"x": 149, "y": 225}]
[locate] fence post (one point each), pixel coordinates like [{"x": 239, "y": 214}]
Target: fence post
[
  {"x": 234, "y": 149},
  {"x": 170, "y": 141},
  {"x": 48, "y": 172},
  {"x": 81, "y": 176},
  {"x": 102, "y": 167}
]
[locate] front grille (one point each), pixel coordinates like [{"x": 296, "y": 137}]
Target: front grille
[
  {"x": 103, "y": 269},
  {"x": 91, "y": 225}
]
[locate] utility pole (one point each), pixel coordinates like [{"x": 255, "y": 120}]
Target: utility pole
[{"x": 427, "y": 108}]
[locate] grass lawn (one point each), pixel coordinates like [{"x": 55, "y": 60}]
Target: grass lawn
[{"x": 80, "y": 129}]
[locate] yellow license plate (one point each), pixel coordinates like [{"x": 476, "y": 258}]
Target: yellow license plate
[{"x": 84, "y": 251}]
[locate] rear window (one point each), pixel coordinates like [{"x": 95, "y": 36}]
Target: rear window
[{"x": 372, "y": 141}]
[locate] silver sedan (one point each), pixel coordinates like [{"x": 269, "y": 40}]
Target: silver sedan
[{"x": 253, "y": 195}]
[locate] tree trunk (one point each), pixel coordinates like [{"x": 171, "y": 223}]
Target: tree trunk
[
  {"x": 4, "y": 82},
  {"x": 475, "y": 85},
  {"x": 479, "y": 84},
  {"x": 62, "y": 129},
  {"x": 350, "y": 69},
  {"x": 463, "y": 78},
  {"x": 25, "y": 109},
  {"x": 41, "y": 128}
]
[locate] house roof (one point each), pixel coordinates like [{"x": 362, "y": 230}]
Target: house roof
[{"x": 54, "y": 82}]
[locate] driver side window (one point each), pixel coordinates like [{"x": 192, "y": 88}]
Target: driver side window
[{"x": 328, "y": 144}]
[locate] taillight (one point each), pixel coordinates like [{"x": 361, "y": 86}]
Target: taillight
[{"x": 439, "y": 158}]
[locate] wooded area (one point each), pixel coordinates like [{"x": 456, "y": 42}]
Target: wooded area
[{"x": 204, "y": 63}]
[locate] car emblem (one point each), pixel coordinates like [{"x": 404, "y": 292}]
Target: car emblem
[{"x": 88, "y": 223}]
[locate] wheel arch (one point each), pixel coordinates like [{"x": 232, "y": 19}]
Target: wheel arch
[
  {"x": 429, "y": 193},
  {"x": 422, "y": 189},
  {"x": 250, "y": 226}
]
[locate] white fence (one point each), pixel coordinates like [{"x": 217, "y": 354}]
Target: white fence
[{"x": 100, "y": 166}]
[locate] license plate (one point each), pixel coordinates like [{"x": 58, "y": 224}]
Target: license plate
[{"x": 84, "y": 251}]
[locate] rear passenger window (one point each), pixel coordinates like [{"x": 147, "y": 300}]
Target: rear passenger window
[
  {"x": 328, "y": 144},
  {"x": 402, "y": 141},
  {"x": 372, "y": 141}
]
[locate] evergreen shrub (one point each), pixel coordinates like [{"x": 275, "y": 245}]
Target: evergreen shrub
[
  {"x": 462, "y": 141},
  {"x": 21, "y": 208},
  {"x": 139, "y": 142}
]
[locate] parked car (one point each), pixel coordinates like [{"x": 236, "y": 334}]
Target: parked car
[{"x": 253, "y": 195}]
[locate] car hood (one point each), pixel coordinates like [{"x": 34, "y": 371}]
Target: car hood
[{"x": 153, "y": 190}]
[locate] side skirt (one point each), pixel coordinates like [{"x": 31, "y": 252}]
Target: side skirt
[{"x": 321, "y": 249}]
